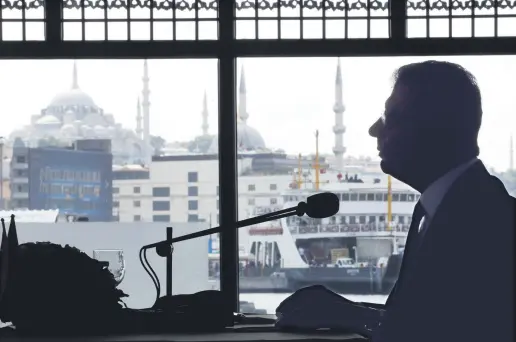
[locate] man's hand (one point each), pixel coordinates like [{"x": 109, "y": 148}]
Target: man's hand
[
  {"x": 315, "y": 293},
  {"x": 316, "y": 307}
]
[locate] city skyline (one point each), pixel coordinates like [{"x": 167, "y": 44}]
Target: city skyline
[{"x": 297, "y": 94}]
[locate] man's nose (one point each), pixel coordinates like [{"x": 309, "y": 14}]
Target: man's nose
[{"x": 375, "y": 129}]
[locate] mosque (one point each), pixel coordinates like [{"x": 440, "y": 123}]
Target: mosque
[{"x": 73, "y": 115}]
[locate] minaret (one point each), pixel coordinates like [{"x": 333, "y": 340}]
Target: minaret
[
  {"x": 242, "y": 105},
  {"x": 146, "y": 115},
  {"x": 139, "y": 129},
  {"x": 205, "y": 125},
  {"x": 339, "y": 128},
  {"x": 75, "y": 78},
  {"x": 511, "y": 157}
]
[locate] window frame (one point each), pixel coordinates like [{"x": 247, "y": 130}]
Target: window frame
[{"x": 227, "y": 49}]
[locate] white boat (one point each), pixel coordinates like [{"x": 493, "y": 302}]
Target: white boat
[{"x": 361, "y": 231}]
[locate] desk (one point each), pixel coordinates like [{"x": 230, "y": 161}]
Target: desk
[{"x": 241, "y": 333}]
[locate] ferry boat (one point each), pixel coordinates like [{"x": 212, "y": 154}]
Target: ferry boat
[{"x": 349, "y": 251}]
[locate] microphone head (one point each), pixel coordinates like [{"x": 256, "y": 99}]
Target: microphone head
[{"x": 322, "y": 205}]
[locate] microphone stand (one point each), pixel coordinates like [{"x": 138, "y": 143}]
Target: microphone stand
[{"x": 165, "y": 248}]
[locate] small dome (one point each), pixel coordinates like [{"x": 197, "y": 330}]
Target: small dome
[
  {"x": 67, "y": 127},
  {"x": 48, "y": 120},
  {"x": 248, "y": 138},
  {"x": 73, "y": 97}
]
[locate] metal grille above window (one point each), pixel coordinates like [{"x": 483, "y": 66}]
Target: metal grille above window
[
  {"x": 140, "y": 20},
  {"x": 22, "y": 20},
  {"x": 461, "y": 18},
  {"x": 312, "y": 19}
]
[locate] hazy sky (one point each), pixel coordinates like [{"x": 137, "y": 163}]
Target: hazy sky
[{"x": 288, "y": 98}]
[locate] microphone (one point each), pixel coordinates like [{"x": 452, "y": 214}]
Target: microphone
[{"x": 317, "y": 206}]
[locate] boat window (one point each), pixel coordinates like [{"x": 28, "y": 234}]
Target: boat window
[
  {"x": 381, "y": 218},
  {"x": 352, "y": 220},
  {"x": 417, "y": 197},
  {"x": 401, "y": 219},
  {"x": 353, "y": 197},
  {"x": 343, "y": 219},
  {"x": 378, "y": 197},
  {"x": 361, "y": 197},
  {"x": 385, "y": 197},
  {"x": 362, "y": 219},
  {"x": 411, "y": 197},
  {"x": 403, "y": 197},
  {"x": 372, "y": 219},
  {"x": 345, "y": 197},
  {"x": 395, "y": 197},
  {"x": 370, "y": 197}
]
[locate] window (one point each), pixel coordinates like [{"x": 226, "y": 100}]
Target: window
[
  {"x": 137, "y": 218},
  {"x": 192, "y": 177},
  {"x": 193, "y": 218},
  {"x": 116, "y": 190},
  {"x": 161, "y": 192},
  {"x": 273, "y": 187},
  {"x": 217, "y": 191},
  {"x": 250, "y": 201},
  {"x": 116, "y": 204},
  {"x": 392, "y": 25},
  {"x": 193, "y": 191},
  {"x": 370, "y": 197},
  {"x": 193, "y": 205},
  {"x": 160, "y": 205},
  {"x": 160, "y": 218},
  {"x": 136, "y": 190},
  {"x": 251, "y": 187},
  {"x": 137, "y": 204},
  {"x": 21, "y": 159},
  {"x": 273, "y": 201}
]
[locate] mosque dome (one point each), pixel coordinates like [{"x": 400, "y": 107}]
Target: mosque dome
[
  {"x": 48, "y": 120},
  {"x": 248, "y": 138},
  {"x": 72, "y": 97}
]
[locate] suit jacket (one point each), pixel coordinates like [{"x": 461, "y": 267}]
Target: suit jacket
[{"x": 458, "y": 283}]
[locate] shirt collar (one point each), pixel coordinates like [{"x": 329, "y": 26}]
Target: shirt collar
[{"x": 434, "y": 194}]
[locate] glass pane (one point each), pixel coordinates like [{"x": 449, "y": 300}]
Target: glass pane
[
  {"x": 315, "y": 19},
  {"x": 98, "y": 140},
  {"x": 277, "y": 123},
  {"x": 159, "y": 20}
]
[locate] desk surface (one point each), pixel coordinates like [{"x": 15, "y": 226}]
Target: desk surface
[{"x": 242, "y": 333}]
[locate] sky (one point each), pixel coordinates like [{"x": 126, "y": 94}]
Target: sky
[{"x": 287, "y": 98}]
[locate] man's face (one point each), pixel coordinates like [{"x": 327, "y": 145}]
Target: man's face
[{"x": 400, "y": 137}]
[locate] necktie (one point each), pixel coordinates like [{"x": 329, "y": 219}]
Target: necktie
[{"x": 411, "y": 243}]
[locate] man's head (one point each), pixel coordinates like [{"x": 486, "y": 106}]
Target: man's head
[{"x": 431, "y": 121}]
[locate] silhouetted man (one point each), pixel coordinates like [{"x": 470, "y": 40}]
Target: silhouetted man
[{"x": 449, "y": 288}]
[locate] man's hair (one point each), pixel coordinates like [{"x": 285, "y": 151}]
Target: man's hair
[{"x": 448, "y": 96}]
